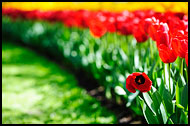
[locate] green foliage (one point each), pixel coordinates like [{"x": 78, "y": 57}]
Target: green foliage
[
  {"x": 150, "y": 117},
  {"x": 35, "y": 90},
  {"x": 110, "y": 59}
]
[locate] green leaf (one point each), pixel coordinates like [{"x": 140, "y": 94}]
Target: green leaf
[
  {"x": 151, "y": 70},
  {"x": 174, "y": 90},
  {"x": 163, "y": 113},
  {"x": 183, "y": 118},
  {"x": 136, "y": 107},
  {"x": 181, "y": 81},
  {"x": 160, "y": 110},
  {"x": 158, "y": 81},
  {"x": 149, "y": 102},
  {"x": 173, "y": 118},
  {"x": 119, "y": 90},
  {"x": 131, "y": 97},
  {"x": 184, "y": 96},
  {"x": 167, "y": 98},
  {"x": 150, "y": 117},
  {"x": 159, "y": 71},
  {"x": 169, "y": 121},
  {"x": 162, "y": 87},
  {"x": 136, "y": 59},
  {"x": 179, "y": 117},
  {"x": 179, "y": 106}
]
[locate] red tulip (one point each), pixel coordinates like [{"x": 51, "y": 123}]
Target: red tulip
[
  {"x": 152, "y": 29},
  {"x": 159, "y": 32},
  {"x": 180, "y": 47},
  {"x": 62, "y": 15},
  {"x": 14, "y": 13},
  {"x": 138, "y": 81},
  {"x": 97, "y": 28},
  {"x": 163, "y": 35},
  {"x": 111, "y": 24},
  {"x": 166, "y": 54},
  {"x": 146, "y": 23},
  {"x": 31, "y": 14},
  {"x": 124, "y": 22},
  {"x": 140, "y": 36},
  {"x": 139, "y": 32},
  {"x": 179, "y": 43},
  {"x": 69, "y": 20},
  {"x": 139, "y": 23},
  {"x": 84, "y": 15},
  {"x": 176, "y": 24}
]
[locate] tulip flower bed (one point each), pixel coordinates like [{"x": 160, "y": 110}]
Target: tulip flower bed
[{"x": 141, "y": 56}]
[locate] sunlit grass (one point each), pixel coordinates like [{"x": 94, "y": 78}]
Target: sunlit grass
[{"x": 35, "y": 90}]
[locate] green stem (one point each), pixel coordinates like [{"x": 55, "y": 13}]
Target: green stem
[
  {"x": 178, "y": 99},
  {"x": 186, "y": 73},
  {"x": 151, "y": 49},
  {"x": 164, "y": 74},
  {"x": 177, "y": 94},
  {"x": 160, "y": 62},
  {"x": 169, "y": 77},
  {"x": 181, "y": 67},
  {"x": 150, "y": 93},
  {"x": 140, "y": 50}
]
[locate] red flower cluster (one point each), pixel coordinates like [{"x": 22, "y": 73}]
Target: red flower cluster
[
  {"x": 171, "y": 41},
  {"x": 138, "y": 81},
  {"x": 169, "y": 30}
]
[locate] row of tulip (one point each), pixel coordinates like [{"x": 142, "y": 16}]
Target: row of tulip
[
  {"x": 169, "y": 30},
  {"x": 94, "y": 6}
]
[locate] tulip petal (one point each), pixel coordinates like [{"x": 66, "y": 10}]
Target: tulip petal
[{"x": 129, "y": 84}]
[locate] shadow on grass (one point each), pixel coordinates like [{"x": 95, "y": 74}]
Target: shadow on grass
[{"x": 34, "y": 90}]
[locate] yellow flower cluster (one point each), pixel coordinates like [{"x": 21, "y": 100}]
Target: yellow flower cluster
[{"x": 109, "y": 6}]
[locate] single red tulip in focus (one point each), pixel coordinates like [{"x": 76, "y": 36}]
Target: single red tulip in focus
[
  {"x": 166, "y": 54},
  {"x": 138, "y": 81}
]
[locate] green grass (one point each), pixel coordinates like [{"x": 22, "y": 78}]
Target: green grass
[{"x": 35, "y": 90}]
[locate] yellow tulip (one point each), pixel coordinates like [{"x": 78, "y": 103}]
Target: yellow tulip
[{"x": 108, "y": 6}]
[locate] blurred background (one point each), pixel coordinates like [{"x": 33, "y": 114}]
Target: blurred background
[{"x": 60, "y": 65}]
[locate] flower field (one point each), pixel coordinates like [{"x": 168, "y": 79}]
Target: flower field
[{"x": 138, "y": 52}]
